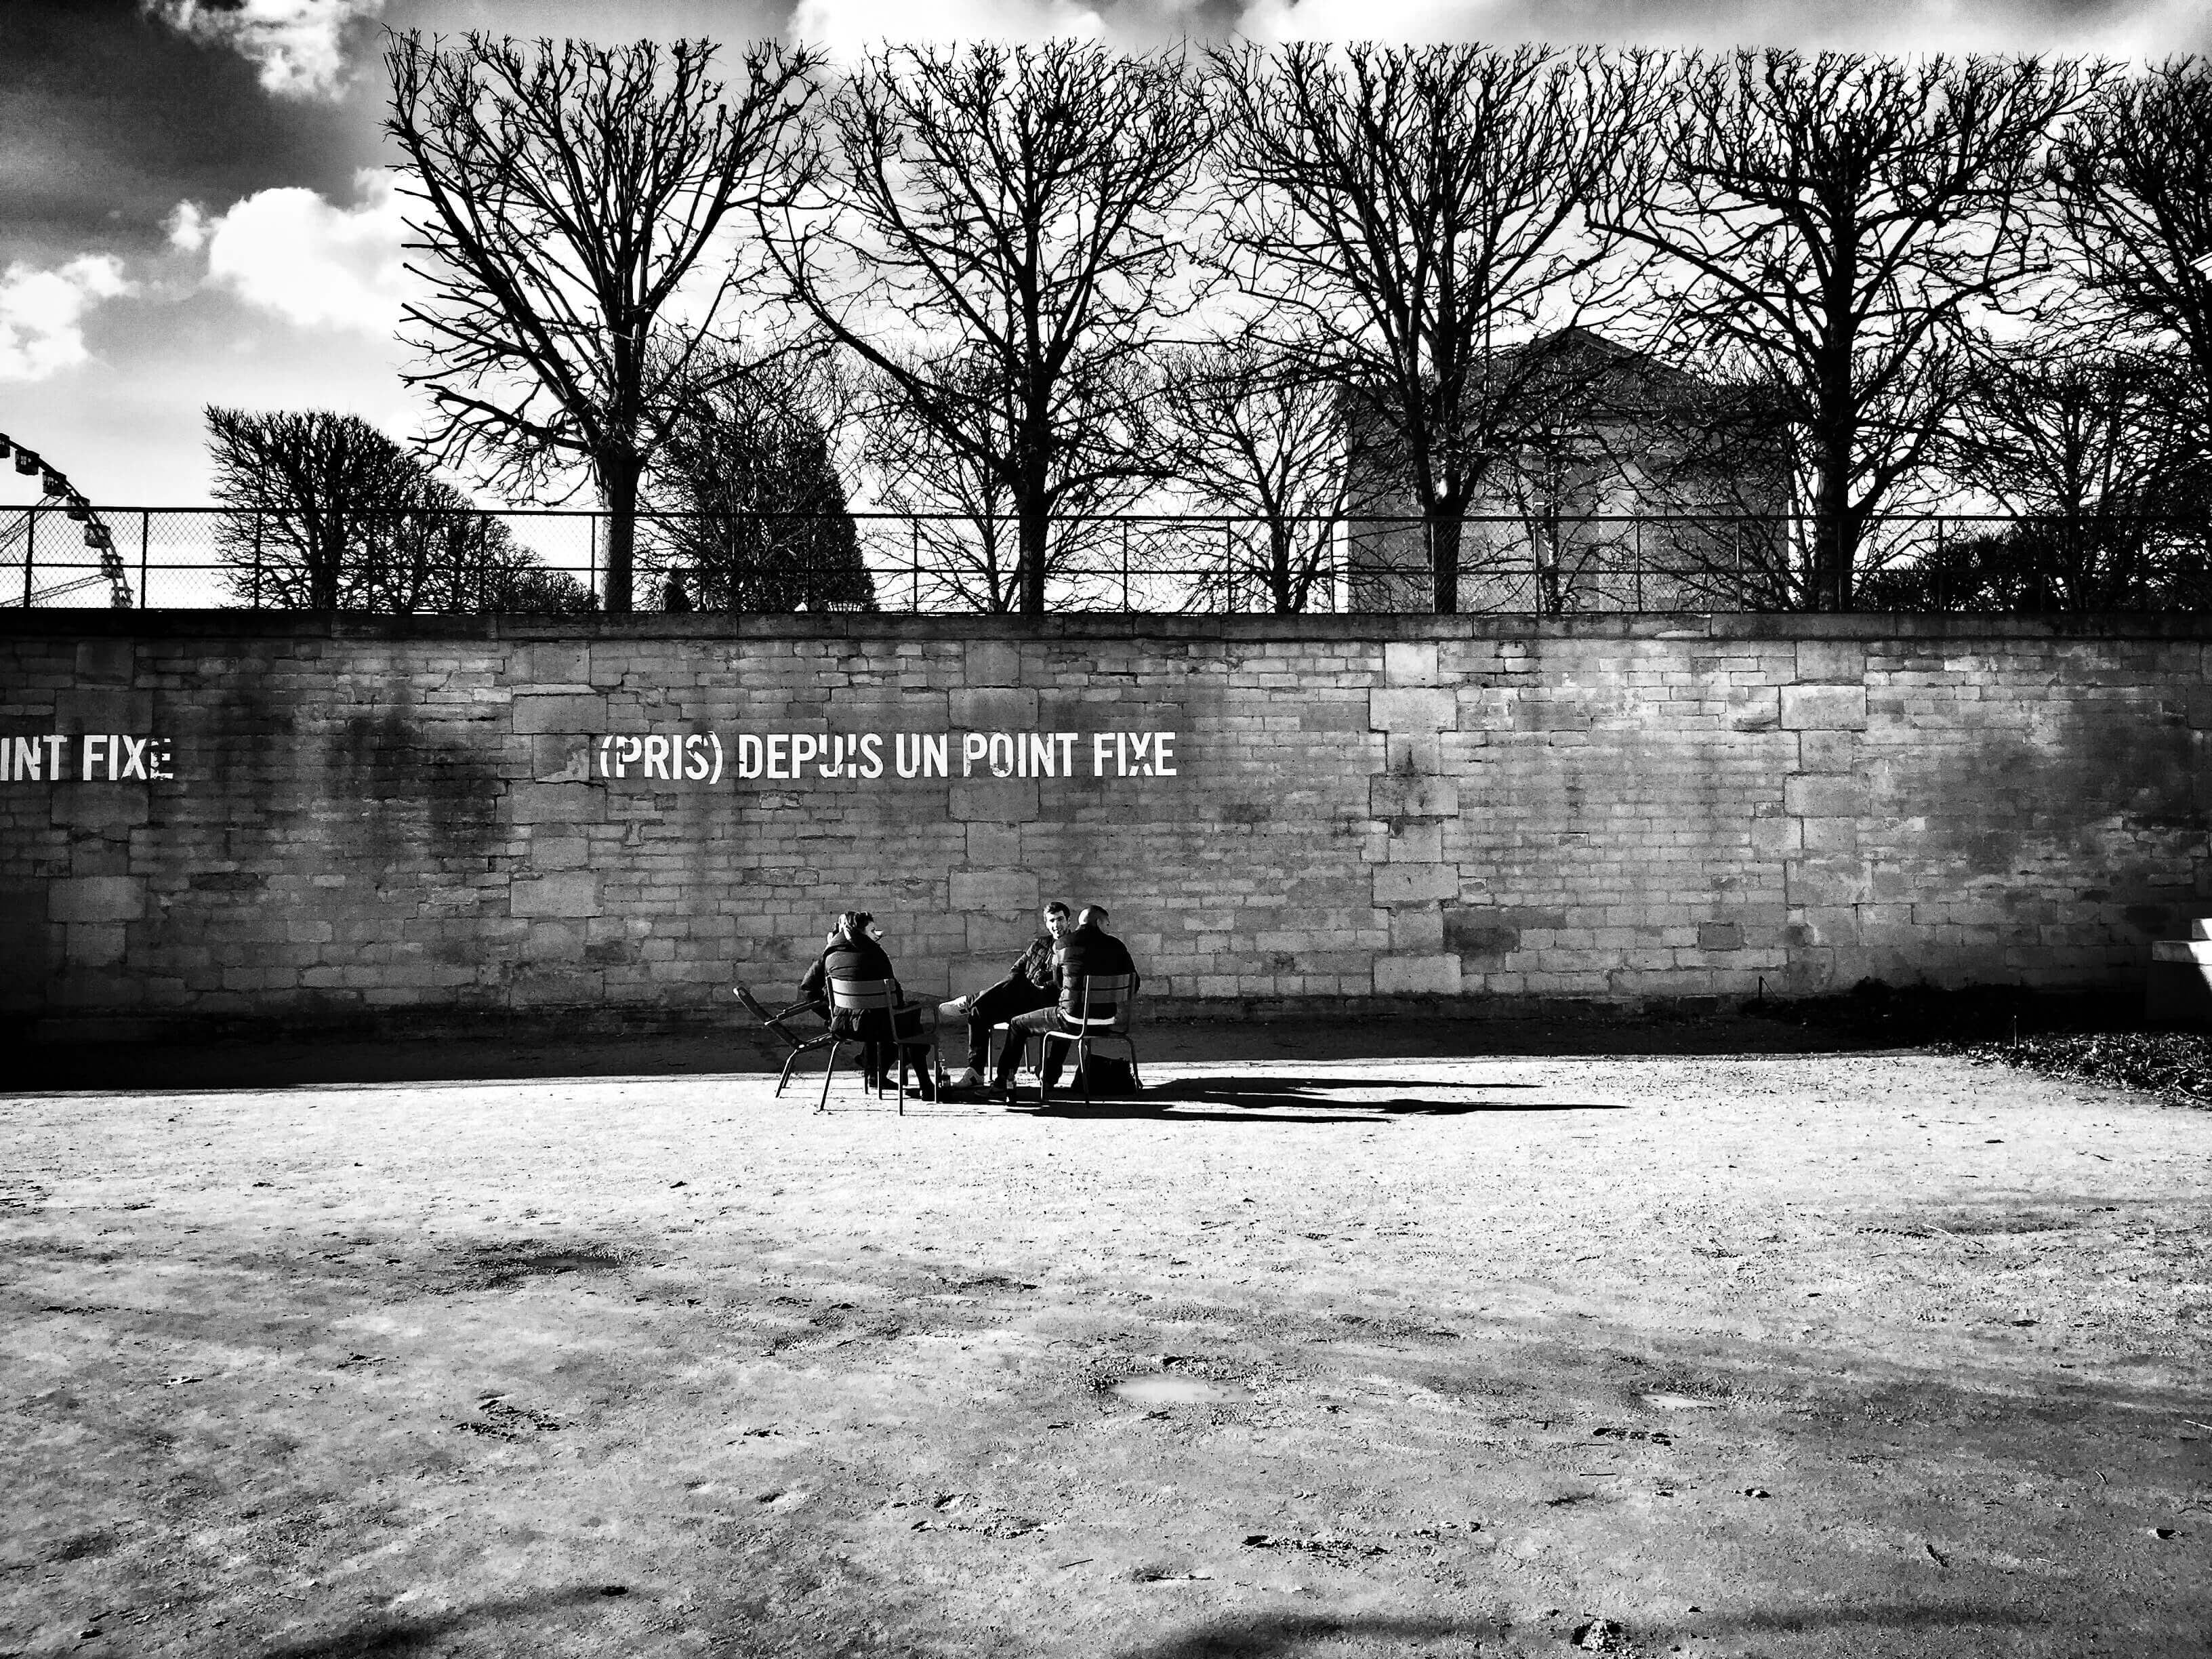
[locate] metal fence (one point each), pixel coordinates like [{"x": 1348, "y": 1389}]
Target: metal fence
[{"x": 1149, "y": 563}]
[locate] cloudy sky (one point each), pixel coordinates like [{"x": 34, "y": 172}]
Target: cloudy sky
[{"x": 194, "y": 208}]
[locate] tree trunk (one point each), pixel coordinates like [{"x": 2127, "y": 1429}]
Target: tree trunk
[
  {"x": 1444, "y": 529},
  {"x": 1833, "y": 543},
  {"x": 1034, "y": 524},
  {"x": 327, "y": 545},
  {"x": 1279, "y": 566},
  {"x": 619, "y": 481},
  {"x": 1033, "y": 518}
]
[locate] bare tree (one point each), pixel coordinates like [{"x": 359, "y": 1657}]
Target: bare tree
[
  {"x": 2084, "y": 447},
  {"x": 994, "y": 232},
  {"x": 1840, "y": 222},
  {"x": 963, "y": 521},
  {"x": 1421, "y": 208},
  {"x": 322, "y": 512},
  {"x": 2134, "y": 172},
  {"x": 305, "y": 495},
  {"x": 1258, "y": 436},
  {"x": 566, "y": 194},
  {"x": 446, "y": 557}
]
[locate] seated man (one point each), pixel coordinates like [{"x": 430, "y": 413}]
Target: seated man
[
  {"x": 1088, "y": 951},
  {"x": 1028, "y": 984}
]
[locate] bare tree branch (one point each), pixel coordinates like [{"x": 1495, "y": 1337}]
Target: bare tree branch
[
  {"x": 567, "y": 197},
  {"x": 1422, "y": 210},
  {"x": 2134, "y": 174},
  {"x": 995, "y": 233},
  {"x": 1257, "y": 435},
  {"x": 1842, "y": 223}
]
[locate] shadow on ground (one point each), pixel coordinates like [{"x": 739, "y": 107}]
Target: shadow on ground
[
  {"x": 1875, "y": 1018},
  {"x": 404, "y": 1639},
  {"x": 1295, "y": 1099}
]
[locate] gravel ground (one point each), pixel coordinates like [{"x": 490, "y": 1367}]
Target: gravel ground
[{"x": 1354, "y": 1353}]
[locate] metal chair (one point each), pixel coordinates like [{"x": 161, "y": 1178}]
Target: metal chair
[
  {"x": 1107, "y": 994},
  {"x": 774, "y": 1023},
  {"x": 1032, "y": 1059},
  {"x": 863, "y": 997}
]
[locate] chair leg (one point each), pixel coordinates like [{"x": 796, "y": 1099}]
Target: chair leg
[
  {"x": 828, "y": 1072},
  {"x": 1082, "y": 1064},
  {"x": 784, "y": 1076}
]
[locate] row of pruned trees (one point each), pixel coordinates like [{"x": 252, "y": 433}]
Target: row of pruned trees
[
  {"x": 323, "y": 512},
  {"x": 1027, "y": 284}
]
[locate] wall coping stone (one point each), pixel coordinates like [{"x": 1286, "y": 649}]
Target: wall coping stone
[{"x": 1376, "y": 628}]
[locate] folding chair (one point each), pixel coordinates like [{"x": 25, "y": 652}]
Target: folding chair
[
  {"x": 863, "y": 997},
  {"x": 774, "y": 1025},
  {"x": 1082, "y": 1027}
]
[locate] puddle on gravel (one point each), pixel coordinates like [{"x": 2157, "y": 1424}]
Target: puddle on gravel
[{"x": 1176, "y": 1391}]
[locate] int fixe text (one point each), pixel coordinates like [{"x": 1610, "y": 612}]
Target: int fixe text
[{"x": 96, "y": 757}]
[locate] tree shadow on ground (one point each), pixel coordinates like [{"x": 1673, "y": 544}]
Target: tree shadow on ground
[
  {"x": 1266, "y": 1634},
  {"x": 403, "y": 1638}
]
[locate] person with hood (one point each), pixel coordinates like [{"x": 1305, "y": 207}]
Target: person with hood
[{"x": 855, "y": 950}]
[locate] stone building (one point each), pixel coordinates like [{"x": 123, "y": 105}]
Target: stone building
[{"x": 1616, "y": 482}]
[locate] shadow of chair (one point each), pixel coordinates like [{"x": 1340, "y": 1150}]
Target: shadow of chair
[
  {"x": 1094, "y": 1008},
  {"x": 774, "y": 1025}
]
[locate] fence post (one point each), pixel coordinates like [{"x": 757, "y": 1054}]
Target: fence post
[
  {"x": 1125, "y": 567},
  {"x": 30, "y": 550},
  {"x": 145, "y": 532},
  {"x": 1636, "y": 552},
  {"x": 591, "y": 552},
  {"x": 257, "y": 562},
  {"x": 914, "y": 591}
]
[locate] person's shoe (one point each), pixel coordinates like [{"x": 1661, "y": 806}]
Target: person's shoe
[
  {"x": 970, "y": 1079},
  {"x": 953, "y": 1009}
]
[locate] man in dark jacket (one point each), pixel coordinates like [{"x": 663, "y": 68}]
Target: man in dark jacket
[
  {"x": 1086, "y": 952},
  {"x": 853, "y": 950},
  {"x": 1030, "y": 983}
]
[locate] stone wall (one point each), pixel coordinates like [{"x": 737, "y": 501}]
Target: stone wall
[{"x": 364, "y": 817}]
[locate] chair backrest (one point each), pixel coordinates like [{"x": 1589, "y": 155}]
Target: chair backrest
[
  {"x": 859, "y": 996},
  {"x": 1096, "y": 999},
  {"x": 769, "y": 1021}
]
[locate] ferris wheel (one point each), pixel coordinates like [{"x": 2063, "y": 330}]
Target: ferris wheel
[{"x": 22, "y": 530}]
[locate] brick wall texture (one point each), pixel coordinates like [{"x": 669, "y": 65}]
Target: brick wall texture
[{"x": 369, "y": 818}]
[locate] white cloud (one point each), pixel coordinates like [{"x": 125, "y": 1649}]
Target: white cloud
[
  {"x": 2140, "y": 29},
  {"x": 42, "y": 313},
  {"x": 187, "y": 227},
  {"x": 300, "y": 45},
  {"x": 306, "y": 259},
  {"x": 850, "y": 27}
]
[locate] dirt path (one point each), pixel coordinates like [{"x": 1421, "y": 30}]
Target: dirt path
[{"x": 1809, "y": 1355}]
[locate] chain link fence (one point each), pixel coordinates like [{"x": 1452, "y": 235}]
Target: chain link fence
[{"x": 539, "y": 562}]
